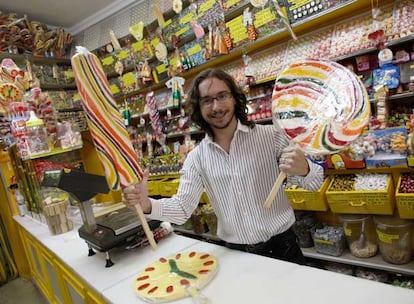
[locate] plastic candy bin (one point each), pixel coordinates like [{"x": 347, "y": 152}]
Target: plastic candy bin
[
  {"x": 360, "y": 234},
  {"x": 394, "y": 239}
]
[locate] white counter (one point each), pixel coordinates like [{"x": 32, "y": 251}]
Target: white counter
[{"x": 241, "y": 278}]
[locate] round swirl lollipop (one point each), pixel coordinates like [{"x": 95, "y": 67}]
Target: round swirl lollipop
[{"x": 321, "y": 107}]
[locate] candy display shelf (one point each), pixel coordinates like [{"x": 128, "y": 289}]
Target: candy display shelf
[
  {"x": 390, "y": 44},
  {"x": 347, "y": 258},
  {"x": 54, "y": 152},
  {"x": 401, "y": 96},
  {"x": 20, "y": 58},
  {"x": 375, "y": 262},
  {"x": 279, "y": 36},
  {"x": 204, "y": 236}
]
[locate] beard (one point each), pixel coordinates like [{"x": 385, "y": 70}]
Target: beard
[{"x": 220, "y": 120}]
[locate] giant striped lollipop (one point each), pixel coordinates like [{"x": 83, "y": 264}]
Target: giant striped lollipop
[
  {"x": 106, "y": 125},
  {"x": 320, "y": 106}
]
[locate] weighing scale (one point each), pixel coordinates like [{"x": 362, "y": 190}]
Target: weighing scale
[{"x": 115, "y": 229}]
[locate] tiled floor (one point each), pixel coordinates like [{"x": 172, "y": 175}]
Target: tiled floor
[{"x": 20, "y": 291}]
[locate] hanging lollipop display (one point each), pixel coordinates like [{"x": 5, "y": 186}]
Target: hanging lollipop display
[{"x": 320, "y": 106}]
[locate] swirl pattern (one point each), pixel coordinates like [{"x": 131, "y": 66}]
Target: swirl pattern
[{"x": 320, "y": 105}]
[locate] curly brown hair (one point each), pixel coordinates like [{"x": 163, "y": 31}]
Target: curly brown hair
[{"x": 192, "y": 105}]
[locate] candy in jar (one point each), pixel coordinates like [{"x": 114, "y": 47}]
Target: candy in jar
[{"x": 37, "y": 140}]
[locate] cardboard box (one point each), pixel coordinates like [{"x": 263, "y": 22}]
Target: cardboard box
[{"x": 390, "y": 148}]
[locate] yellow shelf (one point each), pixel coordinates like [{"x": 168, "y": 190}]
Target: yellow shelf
[{"x": 55, "y": 151}]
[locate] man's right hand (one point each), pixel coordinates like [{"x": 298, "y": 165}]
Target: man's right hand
[{"x": 138, "y": 194}]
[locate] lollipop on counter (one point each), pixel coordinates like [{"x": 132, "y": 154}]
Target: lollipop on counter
[
  {"x": 106, "y": 124},
  {"x": 320, "y": 106}
]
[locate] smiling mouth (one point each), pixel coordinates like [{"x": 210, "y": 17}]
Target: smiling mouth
[{"x": 218, "y": 115}]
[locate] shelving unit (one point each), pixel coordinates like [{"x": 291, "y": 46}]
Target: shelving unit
[
  {"x": 54, "y": 152},
  {"x": 347, "y": 258},
  {"x": 375, "y": 262}
]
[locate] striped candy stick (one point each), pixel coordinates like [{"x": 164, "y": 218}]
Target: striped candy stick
[{"x": 106, "y": 125}]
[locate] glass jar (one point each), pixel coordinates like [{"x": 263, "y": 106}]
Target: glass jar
[
  {"x": 37, "y": 139},
  {"x": 360, "y": 234}
]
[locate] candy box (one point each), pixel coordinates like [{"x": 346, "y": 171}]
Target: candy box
[
  {"x": 348, "y": 200},
  {"x": 302, "y": 199},
  {"x": 390, "y": 148},
  {"x": 404, "y": 195},
  {"x": 362, "y": 62},
  {"x": 154, "y": 185},
  {"x": 169, "y": 187}
]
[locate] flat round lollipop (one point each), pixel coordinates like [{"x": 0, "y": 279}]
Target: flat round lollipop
[
  {"x": 320, "y": 105},
  {"x": 173, "y": 277}
]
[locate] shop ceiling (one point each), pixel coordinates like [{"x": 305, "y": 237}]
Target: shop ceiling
[{"x": 74, "y": 15}]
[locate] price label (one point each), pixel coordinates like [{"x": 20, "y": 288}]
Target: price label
[
  {"x": 295, "y": 4},
  {"x": 387, "y": 238},
  {"x": 69, "y": 74},
  {"x": 108, "y": 60},
  {"x": 76, "y": 97},
  {"x": 237, "y": 30},
  {"x": 128, "y": 79},
  {"x": 194, "y": 49},
  {"x": 187, "y": 18},
  {"x": 206, "y": 6},
  {"x": 231, "y": 3},
  {"x": 114, "y": 89},
  {"x": 323, "y": 242},
  {"x": 185, "y": 29},
  {"x": 138, "y": 46},
  {"x": 167, "y": 23},
  {"x": 155, "y": 41},
  {"x": 264, "y": 17},
  {"x": 173, "y": 61},
  {"x": 123, "y": 54},
  {"x": 162, "y": 68},
  {"x": 137, "y": 30}
]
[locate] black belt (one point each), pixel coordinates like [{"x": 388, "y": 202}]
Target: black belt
[{"x": 259, "y": 246}]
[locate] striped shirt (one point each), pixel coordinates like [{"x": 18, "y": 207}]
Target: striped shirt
[{"x": 237, "y": 184}]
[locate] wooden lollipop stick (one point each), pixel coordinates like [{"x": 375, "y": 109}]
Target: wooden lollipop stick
[
  {"x": 144, "y": 224},
  {"x": 275, "y": 189}
]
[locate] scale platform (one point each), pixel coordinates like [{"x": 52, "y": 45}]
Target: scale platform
[{"x": 115, "y": 229}]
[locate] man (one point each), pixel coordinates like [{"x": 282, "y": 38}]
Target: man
[{"x": 237, "y": 164}]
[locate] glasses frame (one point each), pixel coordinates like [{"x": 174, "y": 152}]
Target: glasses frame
[{"x": 208, "y": 101}]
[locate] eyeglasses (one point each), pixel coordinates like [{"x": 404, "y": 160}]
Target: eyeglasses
[{"x": 208, "y": 101}]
